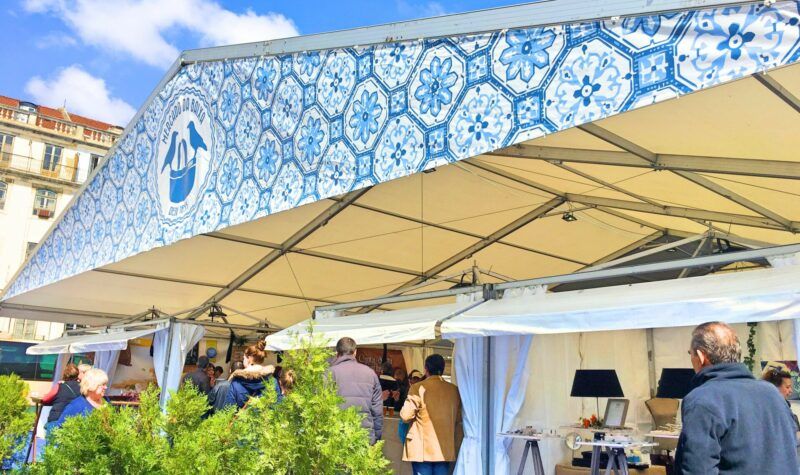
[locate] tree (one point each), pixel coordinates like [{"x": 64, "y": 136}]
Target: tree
[
  {"x": 305, "y": 433},
  {"x": 15, "y": 420}
]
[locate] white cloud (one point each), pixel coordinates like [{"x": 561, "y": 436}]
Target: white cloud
[
  {"x": 55, "y": 40},
  {"x": 83, "y": 93},
  {"x": 144, "y": 28}
]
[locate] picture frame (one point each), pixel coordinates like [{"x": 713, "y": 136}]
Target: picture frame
[{"x": 616, "y": 412}]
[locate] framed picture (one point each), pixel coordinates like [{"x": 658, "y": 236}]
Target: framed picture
[
  {"x": 791, "y": 367},
  {"x": 616, "y": 411}
]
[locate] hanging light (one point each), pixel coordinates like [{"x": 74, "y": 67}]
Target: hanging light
[
  {"x": 216, "y": 312},
  {"x": 568, "y": 217}
]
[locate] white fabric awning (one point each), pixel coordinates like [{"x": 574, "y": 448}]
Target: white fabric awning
[
  {"x": 397, "y": 326},
  {"x": 117, "y": 340},
  {"x": 753, "y": 296}
]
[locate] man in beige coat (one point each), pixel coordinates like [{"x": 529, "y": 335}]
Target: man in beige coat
[{"x": 433, "y": 408}]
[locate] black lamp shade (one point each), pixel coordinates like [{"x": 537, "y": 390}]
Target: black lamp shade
[
  {"x": 675, "y": 382},
  {"x": 596, "y": 383}
]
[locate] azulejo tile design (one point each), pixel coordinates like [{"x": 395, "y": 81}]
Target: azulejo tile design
[{"x": 230, "y": 141}]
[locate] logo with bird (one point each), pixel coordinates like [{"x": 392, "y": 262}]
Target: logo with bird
[{"x": 182, "y": 168}]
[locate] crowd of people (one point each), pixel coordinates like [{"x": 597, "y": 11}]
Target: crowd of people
[{"x": 732, "y": 423}]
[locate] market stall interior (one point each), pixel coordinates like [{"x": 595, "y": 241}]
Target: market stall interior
[{"x": 575, "y": 193}]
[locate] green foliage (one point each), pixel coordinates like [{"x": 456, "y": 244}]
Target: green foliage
[
  {"x": 305, "y": 433},
  {"x": 15, "y": 420},
  {"x": 750, "y": 359}
]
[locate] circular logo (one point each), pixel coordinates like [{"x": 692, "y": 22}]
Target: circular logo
[{"x": 183, "y": 154}]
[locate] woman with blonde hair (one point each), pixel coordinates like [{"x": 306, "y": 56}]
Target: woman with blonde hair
[
  {"x": 93, "y": 388},
  {"x": 251, "y": 381}
]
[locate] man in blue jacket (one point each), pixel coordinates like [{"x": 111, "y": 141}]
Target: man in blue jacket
[{"x": 733, "y": 424}]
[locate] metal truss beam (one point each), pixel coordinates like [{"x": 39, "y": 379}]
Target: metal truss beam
[
  {"x": 722, "y": 165},
  {"x": 676, "y": 211},
  {"x": 467, "y": 252},
  {"x": 628, "y": 146},
  {"x": 776, "y": 88},
  {"x": 295, "y": 239}
]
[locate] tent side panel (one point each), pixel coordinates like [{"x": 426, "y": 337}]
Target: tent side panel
[{"x": 231, "y": 141}]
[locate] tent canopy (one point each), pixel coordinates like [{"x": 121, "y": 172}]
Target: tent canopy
[
  {"x": 384, "y": 327},
  {"x": 273, "y": 227},
  {"x": 106, "y": 341}
]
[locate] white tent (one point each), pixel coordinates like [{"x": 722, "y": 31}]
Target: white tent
[
  {"x": 329, "y": 169},
  {"x": 113, "y": 340}
]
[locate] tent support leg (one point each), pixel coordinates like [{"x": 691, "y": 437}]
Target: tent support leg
[
  {"x": 486, "y": 444},
  {"x": 651, "y": 361},
  {"x": 164, "y": 392}
]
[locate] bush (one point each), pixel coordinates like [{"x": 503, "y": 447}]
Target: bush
[
  {"x": 306, "y": 433},
  {"x": 15, "y": 420}
]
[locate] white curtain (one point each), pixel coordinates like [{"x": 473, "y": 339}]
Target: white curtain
[
  {"x": 414, "y": 358},
  {"x": 786, "y": 261},
  {"x": 509, "y": 383},
  {"x": 184, "y": 337},
  {"x": 107, "y": 361},
  {"x": 470, "y": 358}
]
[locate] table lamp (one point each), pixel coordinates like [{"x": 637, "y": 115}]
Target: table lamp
[
  {"x": 675, "y": 383},
  {"x": 596, "y": 383}
]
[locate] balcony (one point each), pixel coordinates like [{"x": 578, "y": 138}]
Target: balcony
[
  {"x": 71, "y": 130},
  {"x": 65, "y": 172}
]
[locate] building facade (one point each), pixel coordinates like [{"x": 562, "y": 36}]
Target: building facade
[{"x": 45, "y": 156}]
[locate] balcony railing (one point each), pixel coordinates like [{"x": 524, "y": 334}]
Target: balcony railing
[
  {"x": 61, "y": 127},
  {"x": 66, "y": 170}
]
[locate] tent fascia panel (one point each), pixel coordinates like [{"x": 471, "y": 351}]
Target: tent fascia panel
[
  {"x": 537, "y": 13},
  {"x": 201, "y": 84}
]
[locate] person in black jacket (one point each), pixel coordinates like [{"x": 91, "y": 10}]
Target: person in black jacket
[
  {"x": 66, "y": 390},
  {"x": 733, "y": 424}
]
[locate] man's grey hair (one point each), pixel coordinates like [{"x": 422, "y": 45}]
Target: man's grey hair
[
  {"x": 345, "y": 346},
  {"x": 718, "y": 341}
]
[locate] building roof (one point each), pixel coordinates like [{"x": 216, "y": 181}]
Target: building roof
[{"x": 62, "y": 114}]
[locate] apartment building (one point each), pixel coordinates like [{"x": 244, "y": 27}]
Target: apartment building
[{"x": 45, "y": 156}]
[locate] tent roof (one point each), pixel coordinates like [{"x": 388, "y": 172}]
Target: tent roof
[
  {"x": 105, "y": 341},
  {"x": 758, "y": 295},
  {"x": 383, "y": 327},
  {"x": 720, "y": 158}
]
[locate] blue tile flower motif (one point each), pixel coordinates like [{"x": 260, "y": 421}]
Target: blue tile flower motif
[
  {"x": 287, "y": 108},
  {"x": 481, "y": 122},
  {"x": 400, "y": 150},
  {"x": 309, "y": 147},
  {"x": 653, "y": 69},
  {"x": 394, "y": 62},
  {"x": 648, "y": 24},
  {"x": 245, "y": 204},
  {"x": 336, "y": 82},
  {"x": 526, "y": 51},
  {"x": 307, "y": 65},
  {"x": 287, "y": 190},
  {"x": 230, "y": 175},
  {"x": 229, "y": 103},
  {"x": 594, "y": 82},
  {"x": 208, "y": 214},
  {"x": 268, "y": 160},
  {"x": 141, "y": 153},
  {"x": 365, "y": 115},
  {"x": 337, "y": 171},
  {"x": 265, "y": 79},
  {"x": 435, "y": 88},
  {"x": 248, "y": 129}
]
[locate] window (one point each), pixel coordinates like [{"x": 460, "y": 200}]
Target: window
[
  {"x": 95, "y": 160},
  {"x": 29, "y": 249},
  {"x": 30, "y": 367},
  {"x": 44, "y": 204},
  {"x": 3, "y": 193},
  {"x": 52, "y": 157},
  {"x": 25, "y": 329},
  {"x": 6, "y": 147}
]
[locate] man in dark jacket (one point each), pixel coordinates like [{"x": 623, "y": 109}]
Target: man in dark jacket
[
  {"x": 359, "y": 386},
  {"x": 732, "y": 423},
  {"x": 198, "y": 377}
]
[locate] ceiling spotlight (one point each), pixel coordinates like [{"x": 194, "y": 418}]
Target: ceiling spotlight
[
  {"x": 216, "y": 312},
  {"x": 569, "y": 217}
]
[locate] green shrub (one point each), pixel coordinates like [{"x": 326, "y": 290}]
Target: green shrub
[
  {"x": 15, "y": 420},
  {"x": 305, "y": 433}
]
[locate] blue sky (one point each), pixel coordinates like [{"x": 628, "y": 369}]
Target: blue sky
[{"x": 103, "y": 57}]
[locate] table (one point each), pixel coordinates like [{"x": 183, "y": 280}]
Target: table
[
  {"x": 532, "y": 447},
  {"x": 617, "y": 460}
]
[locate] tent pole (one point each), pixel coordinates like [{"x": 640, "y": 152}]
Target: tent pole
[
  {"x": 486, "y": 440},
  {"x": 651, "y": 361},
  {"x": 163, "y": 396}
]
